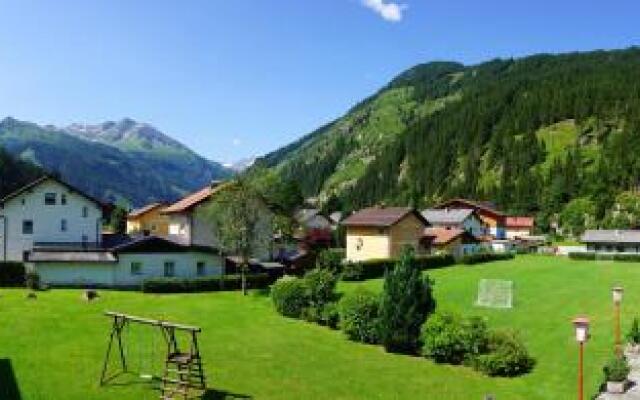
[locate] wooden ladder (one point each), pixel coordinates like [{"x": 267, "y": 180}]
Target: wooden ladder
[{"x": 182, "y": 371}]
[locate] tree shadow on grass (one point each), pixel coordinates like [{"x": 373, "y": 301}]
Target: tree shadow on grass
[
  {"x": 214, "y": 394},
  {"x": 9, "y": 389}
]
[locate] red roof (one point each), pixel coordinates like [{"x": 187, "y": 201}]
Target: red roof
[
  {"x": 443, "y": 235},
  {"x": 144, "y": 210},
  {"x": 381, "y": 216},
  {"x": 519, "y": 222},
  {"x": 192, "y": 200}
]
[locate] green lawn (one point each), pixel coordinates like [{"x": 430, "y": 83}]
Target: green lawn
[{"x": 55, "y": 344}]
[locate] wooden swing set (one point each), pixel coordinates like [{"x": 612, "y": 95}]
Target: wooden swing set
[{"x": 183, "y": 370}]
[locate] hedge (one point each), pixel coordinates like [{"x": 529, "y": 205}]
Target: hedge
[
  {"x": 592, "y": 256},
  {"x": 370, "y": 269},
  {"x": 12, "y": 274},
  {"x": 208, "y": 284},
  {"x": 478, "y": 258}
]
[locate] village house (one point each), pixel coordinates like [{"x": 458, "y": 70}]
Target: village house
[
  {"x": 55, "y": 229},
  {"x": 47, "y": 211},
  {"x": 455, "y": 241},
  {"x": 612, "y": 241},
  {"x": 190, "y": 225},
  {"x": 493, "y": 219},
  {"x": 148, "y": 220},
  {"x": 519, "y": 227},
  {"x": 465, "y": 219},
  {"x": 383, "y": 232}
]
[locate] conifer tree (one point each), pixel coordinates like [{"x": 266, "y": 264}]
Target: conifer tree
[{"x": 406, "y": 302}]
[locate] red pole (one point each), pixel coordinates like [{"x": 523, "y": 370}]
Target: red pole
[{"x": 580, "y": 372}]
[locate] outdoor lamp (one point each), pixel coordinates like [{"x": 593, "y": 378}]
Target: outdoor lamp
[
  {"x": 581, "y": 325},
  {"x": 617, "y": 294}
]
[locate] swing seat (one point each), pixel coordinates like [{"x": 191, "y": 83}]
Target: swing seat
[{"x": 180, "y": 358}]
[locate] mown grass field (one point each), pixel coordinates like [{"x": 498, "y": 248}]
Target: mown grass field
[{"x": 54, "y": 345}]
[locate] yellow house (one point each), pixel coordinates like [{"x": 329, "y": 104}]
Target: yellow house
[
  {"x": 149, "y": 220},
  {"x": 377, "y": 232}
]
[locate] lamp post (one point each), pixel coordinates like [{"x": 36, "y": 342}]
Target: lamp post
[
  {"x": 581, "y": 325},
  {"x": 617, "y": 299}
]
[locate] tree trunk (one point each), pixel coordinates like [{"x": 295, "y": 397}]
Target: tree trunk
[{"x": 243, "y": 273}]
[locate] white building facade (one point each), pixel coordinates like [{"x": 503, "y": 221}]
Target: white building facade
[{"x": 47, "y": 211}]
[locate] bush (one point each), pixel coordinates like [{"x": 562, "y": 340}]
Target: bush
[
  {"x": 371, "y": 269},
  {"x": 448, "y": 338},
  {"x": 331, "y": 259},
  {"x": 478, "y": 258},
  {"x": 12, "y": 274},
  {"x": 330, "y": 316},
  {"x": 592, "y": 256},
  {"x": 208, "y": 284},
  {"x": 359, "y": 315},
  {"x": 507, "y": 356},
  {"x": 634, "y": 333},
  {"x": 321, "y": 287},
  {"x": 290, "y": 296},
  {"x": 32, "y": 281},
  {"x": 616, "y": 370},
  {"x": 405, "y": 304}
]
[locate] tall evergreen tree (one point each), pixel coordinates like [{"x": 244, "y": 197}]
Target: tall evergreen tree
[{"x": 406, "y": 302}]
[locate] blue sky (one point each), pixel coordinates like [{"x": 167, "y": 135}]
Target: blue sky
[{"x": 237, "y": 78}]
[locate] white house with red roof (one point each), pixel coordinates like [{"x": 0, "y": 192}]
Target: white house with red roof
[{"x": 519, "y": 227}]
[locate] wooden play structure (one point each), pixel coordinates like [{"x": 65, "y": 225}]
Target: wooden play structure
[{"x": 183, "y": 369}]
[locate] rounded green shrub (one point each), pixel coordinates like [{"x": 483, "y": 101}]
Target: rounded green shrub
[
  {"x": 290, "y": 296},
  {"x": 321, "y": 287},
  {"x": 507, "y": 356},
  {"x": 448, "y": 338},
  {"x": 616, "y": 370},
  {"x": 359, "y": 312}
]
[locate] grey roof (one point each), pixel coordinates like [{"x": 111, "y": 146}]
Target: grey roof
[
  {"x": 611, "y": 236},
  {"x": 73, "y": 256},
  {"x": 305, "y": 214},
  {"x": 447, "y": 216}
]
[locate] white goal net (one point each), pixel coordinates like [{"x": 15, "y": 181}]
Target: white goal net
[{"x": 495, "y": 293}]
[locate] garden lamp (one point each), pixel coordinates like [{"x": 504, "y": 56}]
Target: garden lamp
[{"x": 581, "y": 325}]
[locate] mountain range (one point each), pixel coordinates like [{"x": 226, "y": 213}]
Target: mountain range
[
  {"x": 531, "y": 135},
  {"x": 125, "y": 161}
]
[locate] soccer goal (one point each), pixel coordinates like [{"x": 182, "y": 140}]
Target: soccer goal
[{"x": 495, "y": 293}]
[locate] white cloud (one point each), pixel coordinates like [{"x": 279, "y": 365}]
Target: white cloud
[
  {"x": 388, "y": 10},
  {"x": 237, "y": 142}
]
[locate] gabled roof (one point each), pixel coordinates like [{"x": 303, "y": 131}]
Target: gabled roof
[
  {"x": 305, "y": 214},
  {"x": 381, "y": 216},
  {"x": 155, "y": 244},
  {"x": 442, "y": 236},
  {"x": 519, "y": 222},
  {"x": 137, "y": 213},
  {"x": 46, "y": 178},
  {"x": 482, "y": 206},
  {"x": 447, "y": 216},
  {"x": 189, "y": 202},
  {"x": 611, "y": 236}
]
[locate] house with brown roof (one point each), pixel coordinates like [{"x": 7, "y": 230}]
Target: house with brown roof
[
  {"x": 189, "y": 224},
  {"x": 492, "y": 218},
  {"x": 455, "y": 241},
  {"x": 148, "y": 220},
  {"x": 383, "y": 232}
]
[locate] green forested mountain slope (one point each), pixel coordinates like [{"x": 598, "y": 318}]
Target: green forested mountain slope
[
  {"x": 15, "y": 173},
  {"x": 115, "y": 161},
  {"x": 530, "y": 134}
]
